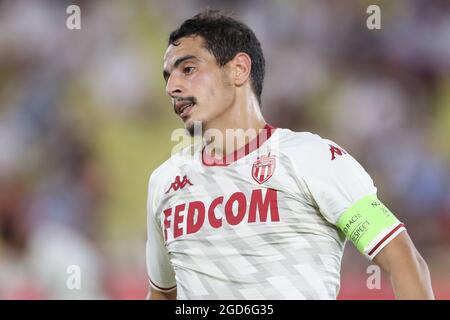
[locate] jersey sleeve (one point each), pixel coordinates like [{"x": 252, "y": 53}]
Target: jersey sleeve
[
  {"x": 346, "y": 196},
  {"x": 160, "y": 271}
]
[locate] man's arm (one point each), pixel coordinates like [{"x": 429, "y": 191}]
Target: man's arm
[
  {"x": 159, "y": 267},
  {"x": 159, "y": 295},
  {"x": 407, "y": 269}
]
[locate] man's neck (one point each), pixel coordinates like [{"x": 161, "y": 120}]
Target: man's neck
[{"x": 233, "y": 130}]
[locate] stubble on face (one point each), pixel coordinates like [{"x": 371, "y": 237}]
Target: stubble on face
[
  {"x": 198, "y": 126},
  {"x": 195, "y": 128}
]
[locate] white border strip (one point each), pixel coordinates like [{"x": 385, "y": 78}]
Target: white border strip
[
  {"x": 380, "y": 237},
  {"x": 154, "y": 286}
]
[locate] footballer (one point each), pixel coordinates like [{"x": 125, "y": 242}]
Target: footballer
[{"x": 267, "y": 216}]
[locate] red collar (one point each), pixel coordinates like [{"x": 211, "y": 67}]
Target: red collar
[{"x": 251, "y": 146}]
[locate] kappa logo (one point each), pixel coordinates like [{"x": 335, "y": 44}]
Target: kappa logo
[
  {"x": 336, "y": 151},
  {"x": 179, "y": 184},
  {"x": 263, "y": 168}
]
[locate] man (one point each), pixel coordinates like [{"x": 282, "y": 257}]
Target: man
[{"x": 264, "y": 217}]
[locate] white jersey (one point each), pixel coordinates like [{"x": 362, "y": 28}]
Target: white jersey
[{"x": 261, "y": 227}]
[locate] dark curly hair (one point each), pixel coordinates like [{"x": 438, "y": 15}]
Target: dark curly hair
[{"x": 225, "y": 37}]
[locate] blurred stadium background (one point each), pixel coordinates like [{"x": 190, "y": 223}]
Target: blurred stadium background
[{"x": 84, "y": 120}]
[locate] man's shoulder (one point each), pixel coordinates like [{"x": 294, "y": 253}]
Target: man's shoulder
[
  {"x": 315, "y": 156},
  {"x": 303, "y": 144},
  {"x": 296, "y": 138}
]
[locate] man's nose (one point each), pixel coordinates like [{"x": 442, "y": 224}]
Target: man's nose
[{"x": 174, "y": 87}]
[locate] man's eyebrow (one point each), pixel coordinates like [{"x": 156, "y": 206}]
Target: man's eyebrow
[{"x": 166, "y": 73}]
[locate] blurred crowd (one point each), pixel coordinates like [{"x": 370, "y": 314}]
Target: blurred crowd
[{"x": 84, "y": 120}]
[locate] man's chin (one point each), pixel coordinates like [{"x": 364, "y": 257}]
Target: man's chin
[{"x": 194, "y": 127}]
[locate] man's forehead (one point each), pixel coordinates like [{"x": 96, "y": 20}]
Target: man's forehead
[{"x": 184, "y": 46}]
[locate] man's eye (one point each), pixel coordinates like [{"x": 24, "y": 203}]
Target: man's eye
[{"x": 188, "y": 70}]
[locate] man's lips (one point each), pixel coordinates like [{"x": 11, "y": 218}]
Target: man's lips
[
  {"x": 186, "y": 110},
  {"x": 183, "y": 107}
]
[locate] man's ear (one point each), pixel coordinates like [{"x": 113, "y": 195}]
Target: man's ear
[{"x": 242, "y": 65}]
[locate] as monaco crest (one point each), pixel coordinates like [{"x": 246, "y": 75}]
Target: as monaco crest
[{"x": 263, "y": 168}]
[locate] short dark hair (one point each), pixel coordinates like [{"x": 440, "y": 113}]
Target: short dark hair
[{"x": 225, "y": 37}]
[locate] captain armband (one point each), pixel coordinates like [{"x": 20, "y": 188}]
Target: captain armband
[{"x": 369, "y": 225}]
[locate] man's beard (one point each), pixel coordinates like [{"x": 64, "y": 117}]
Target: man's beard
[{"x": 195, "y": 128}]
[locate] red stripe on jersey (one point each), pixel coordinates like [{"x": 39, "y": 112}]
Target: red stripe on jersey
[{"x": 385, "y": 238}]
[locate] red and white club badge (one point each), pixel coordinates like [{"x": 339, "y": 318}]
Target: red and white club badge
[{"x": 263, "y": 168}]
